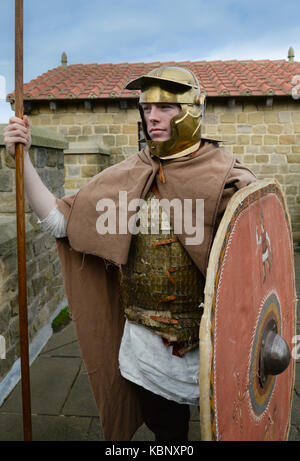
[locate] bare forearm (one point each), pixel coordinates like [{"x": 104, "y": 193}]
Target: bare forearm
[{"x": 40, "y": 198}]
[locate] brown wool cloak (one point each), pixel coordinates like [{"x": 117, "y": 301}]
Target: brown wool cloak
[{"x": 90, "y": 261}]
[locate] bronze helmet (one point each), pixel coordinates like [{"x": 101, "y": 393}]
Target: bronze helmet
[{"x": 175, "y": 85}]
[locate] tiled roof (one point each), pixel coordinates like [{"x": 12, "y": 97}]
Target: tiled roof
[{"x": 217, "y": 78}]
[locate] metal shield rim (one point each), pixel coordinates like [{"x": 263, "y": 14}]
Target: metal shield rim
[{"x": 205, "y": 341}]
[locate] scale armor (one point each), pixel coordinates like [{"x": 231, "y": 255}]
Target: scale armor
[{"x": 160, "y": 286}]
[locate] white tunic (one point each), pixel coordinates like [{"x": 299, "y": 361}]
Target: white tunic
[{"x": 143, "y": 359}]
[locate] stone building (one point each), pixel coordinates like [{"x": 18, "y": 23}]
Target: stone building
[{"x": 253, "y": 107}]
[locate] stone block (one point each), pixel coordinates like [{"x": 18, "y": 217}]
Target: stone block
[
  {"x": 256, "y": 140},
  {"x": 277, "y": 159},
  {"x": 255, "y": 118},
  {"x": 74, "y": 130},
  {"x": 249, "y": 158},
  {"x": 6, "y": 181},
  {"x": 296, "y": 116},
  {"x": 71, "y": 138},
  {"x": 5, "y": 315},
  {"x": 82, "y": 138},
  {"x": 72, "y": 185},
  {"x": 227, "y": 129},
  {"x": 46, "y": 119},
  {"x": 8, "y": 160},
  {"x": 293, "y": 179},
  {"x": 281, "y": 149},
  {"x": 259, "y": 129},
  {"x": 291, "y": 190},
  {"x": 284, "y": 117},
  {"x": 262, "y": 158},
  {"x": 133, "y": 116},
  {"x": 91, "y": 159},
  {"x": 275, "y": 129},
  {"x": 70, "y": 159},
  {"x": 290, "y": 199},
  {"x": 242, "y": 118},
  {"x": 210, "y": 130},
  {"x": 53, "y": 179},
  {"x": 229, "y": 117},
  {"x": 39, "y": 244},
  {"x": 88, "y": 171},
  {"x": 114, "y": 129},
  {"x": 271, "y": 117},
  {"x": 297, "y": 128},
  {"x": 107, "y": 119},
  {"x": 100, "y": 129},
  {"x": 287, "y": 128},
  {"x": 121, "y": 140},
  {"x": 43, "y": 262},
  {"x": 129, "y": 129},
  {"x": 295, "y": 168},
  {"x": 293, "y": 158},
  {"x": 73, "y": 171},
  {"x": 269, "y": 169},
  {"x": 230, "y": 139},
  {"x": 251, "y": 149},
  {"x": 14, "y": 331},
  {"x": 243, "y": 139},
  {"x": 60, "y": 160},
  {"x": 67, "y": 119},
  {"x": 287, "y": 139},
  {"x": 40, "y": 157},
  {"x": 109, "y": 140},
  {"x": 270, "y": 139},
  {"x": 51, "y": 158},
  {"x": 133, "y": 140},
  {"x": 244, "y": 128},
  {"x": 238, "y": 149}
]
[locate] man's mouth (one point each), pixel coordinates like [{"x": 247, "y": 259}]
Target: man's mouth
[{"x": 156, "y": 130}]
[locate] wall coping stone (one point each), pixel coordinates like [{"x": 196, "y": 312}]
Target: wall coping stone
[
  {"x": 41, "y": 137},
  {"x": 86, "y": 148}
]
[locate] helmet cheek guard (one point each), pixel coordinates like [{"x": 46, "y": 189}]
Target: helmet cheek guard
[{"x": 172, "y": 85}]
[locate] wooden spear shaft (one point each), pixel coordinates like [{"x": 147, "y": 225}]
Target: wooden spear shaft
[{"x": 21, "y": 235}]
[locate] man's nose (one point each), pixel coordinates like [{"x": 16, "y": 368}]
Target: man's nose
[{"x": 154, "y": 114}]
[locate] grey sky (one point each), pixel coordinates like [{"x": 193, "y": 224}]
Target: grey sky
[{"x": 133, "y": 31}]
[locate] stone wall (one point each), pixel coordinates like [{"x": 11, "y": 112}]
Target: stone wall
[
  {"x": 265, "y": 138},
  {"x": 105, "y": 125},
  {"x": 264, "y": 133},
  {"x": 82, "y": 162},
  {"x": 45, "y": 285}
]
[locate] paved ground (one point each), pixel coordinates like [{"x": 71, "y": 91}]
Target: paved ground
[{"x": 63, "y": 408}]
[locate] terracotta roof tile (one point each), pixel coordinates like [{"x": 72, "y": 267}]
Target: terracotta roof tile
[{"x": 217, "y": 78}]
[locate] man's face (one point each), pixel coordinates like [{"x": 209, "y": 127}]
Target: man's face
[{"x": 157, "y": 117}]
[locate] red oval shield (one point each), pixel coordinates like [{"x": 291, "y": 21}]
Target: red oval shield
[{"x": 250, "y": 283}]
